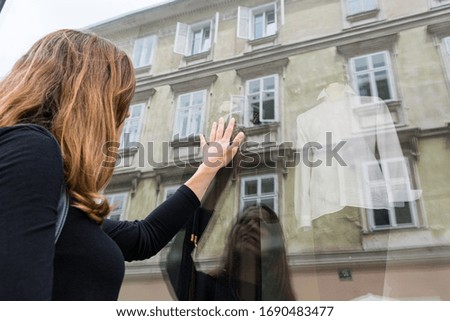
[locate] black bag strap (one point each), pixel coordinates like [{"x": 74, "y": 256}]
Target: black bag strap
[{"x": 63, "y": 208}]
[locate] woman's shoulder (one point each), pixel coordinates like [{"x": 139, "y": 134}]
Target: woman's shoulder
[
  {"x": 30, "y": 130},
  {"x": 27, "y": 133},
  {"x": 30, "y": 141}
]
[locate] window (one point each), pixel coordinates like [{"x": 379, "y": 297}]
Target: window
[
  {"x": 189, "y": 118},
  {"x": 259, "y": 22},
  {"x": 395, "y": 181},
  {"x": 261, "y": 98},
  {"x": 132, "y": 126},
  {"x": 143, "y": 51},
  {"x": 360, "y": 6},
  {"x": 197, "y": 38},
  {"x": 118, "y": 204},
  {"x": 372, "y": 75},
  {"x": 258, "y": 190}
]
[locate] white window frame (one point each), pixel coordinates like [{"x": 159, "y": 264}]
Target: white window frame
[
  {"x": 387, "y": 183},
  {"x": 371, "y": 72},
  {"x": 191, "y": 112},
  {"x": 184, "y": 36},
  {"x": 128, "y": 123},
  {"x": 246, "y": 20},
  {"x": 364, "y": 6},
  {"x": 117, "y": 214},
  {"x": 248, "y": 113},
  {"x": 145, "y": 56},
  {"x": 259, "y": 195}
]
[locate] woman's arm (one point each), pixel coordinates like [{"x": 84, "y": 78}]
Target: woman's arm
[
  {"x": 31, "y": 175},
  {"x": 140, "y": 240}
]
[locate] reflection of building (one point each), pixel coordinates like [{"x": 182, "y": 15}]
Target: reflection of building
[{"x": 265, "y": 62}]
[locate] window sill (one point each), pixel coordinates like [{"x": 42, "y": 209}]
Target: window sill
[
  {"x": 363, "y": 15},
  {"x": 189, "y": 141},
  {"x": 260, "y": 129},
  {"x": 143, "y": 70},
  {"x": 258, "y": 41},
  {"x": 195, "y": 60},
  {"x": 264, "y": 42},
  {"x": 201, "y": 55}
]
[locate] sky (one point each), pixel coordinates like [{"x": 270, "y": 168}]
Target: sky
[{"x": 22, "y": 22}]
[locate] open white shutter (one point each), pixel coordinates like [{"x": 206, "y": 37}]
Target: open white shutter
[
  {"x": 215, "y": 25},
  {"x": 243, "y": 22},
  {"x": 181, "y": 38},
  {"x": 280, "y": 13}
]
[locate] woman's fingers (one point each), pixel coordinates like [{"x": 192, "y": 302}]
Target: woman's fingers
[
  {"x": 229, "y": 130},
  {"x": 212, "y": 135},
  {"x": 220, "y": 127}
]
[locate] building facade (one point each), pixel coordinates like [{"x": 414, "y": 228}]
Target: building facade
[{"x": 266, "y": 63}]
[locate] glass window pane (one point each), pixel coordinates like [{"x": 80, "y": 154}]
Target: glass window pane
[
  {"x": 183, "y": 122},
  {"x": 403, "y": 214},
  {"x": 249, "y": 203},
  {"x": 195, "y": 126},
  {"x": 196, "y": 42},
  {"x": 258, "y": 25},
  {"x": 268, "y": 109},
  {"x": 136, "y": 111},
  {"x": 184, "y": 100},
  {"x": 361, "y": 64},
  {"x": 364, "y": 85},
  {"x": 270, "y": 16},
  {"x": 381, "y": 79},
  {"x": 269, "y": 83},
  {"x": 271, "y": 28},
  {"x": 198, "y": 98},
  {"x": 370, "y": 5},
  {"x": 254, "y": 86},
  {"x": 269, "y": 202},
  {"x": 354, "y": 6},
  {"x": 268, "y": 185},
  {"x": 379, "y": 60},
  {"x": 251, "y": 187},
  {"x": 381, "y": 217}
]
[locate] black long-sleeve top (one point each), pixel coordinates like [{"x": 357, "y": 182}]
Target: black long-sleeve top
[{"x": 87, "y": 263}]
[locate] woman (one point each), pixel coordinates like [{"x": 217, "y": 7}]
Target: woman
[
  {"x": 76, "y": 88},
  {"x": 255, "y": 266}
]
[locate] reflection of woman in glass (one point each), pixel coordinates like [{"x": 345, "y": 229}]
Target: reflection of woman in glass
[{"x": 255, "y": 265}]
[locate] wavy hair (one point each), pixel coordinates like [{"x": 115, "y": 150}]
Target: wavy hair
[
  {"x": 257, "y": 237},
  {"x": 79, "y": 87}
]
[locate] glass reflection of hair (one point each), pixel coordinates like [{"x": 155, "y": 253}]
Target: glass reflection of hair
[{"x": 255, "y": 255}]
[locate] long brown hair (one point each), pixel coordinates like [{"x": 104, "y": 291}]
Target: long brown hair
[
  {"x": 79, "y": 87},
  {"x": 257, "y": 234}
]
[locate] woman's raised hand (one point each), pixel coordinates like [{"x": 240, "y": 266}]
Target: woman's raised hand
[{"x": 220, "y": 149}]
